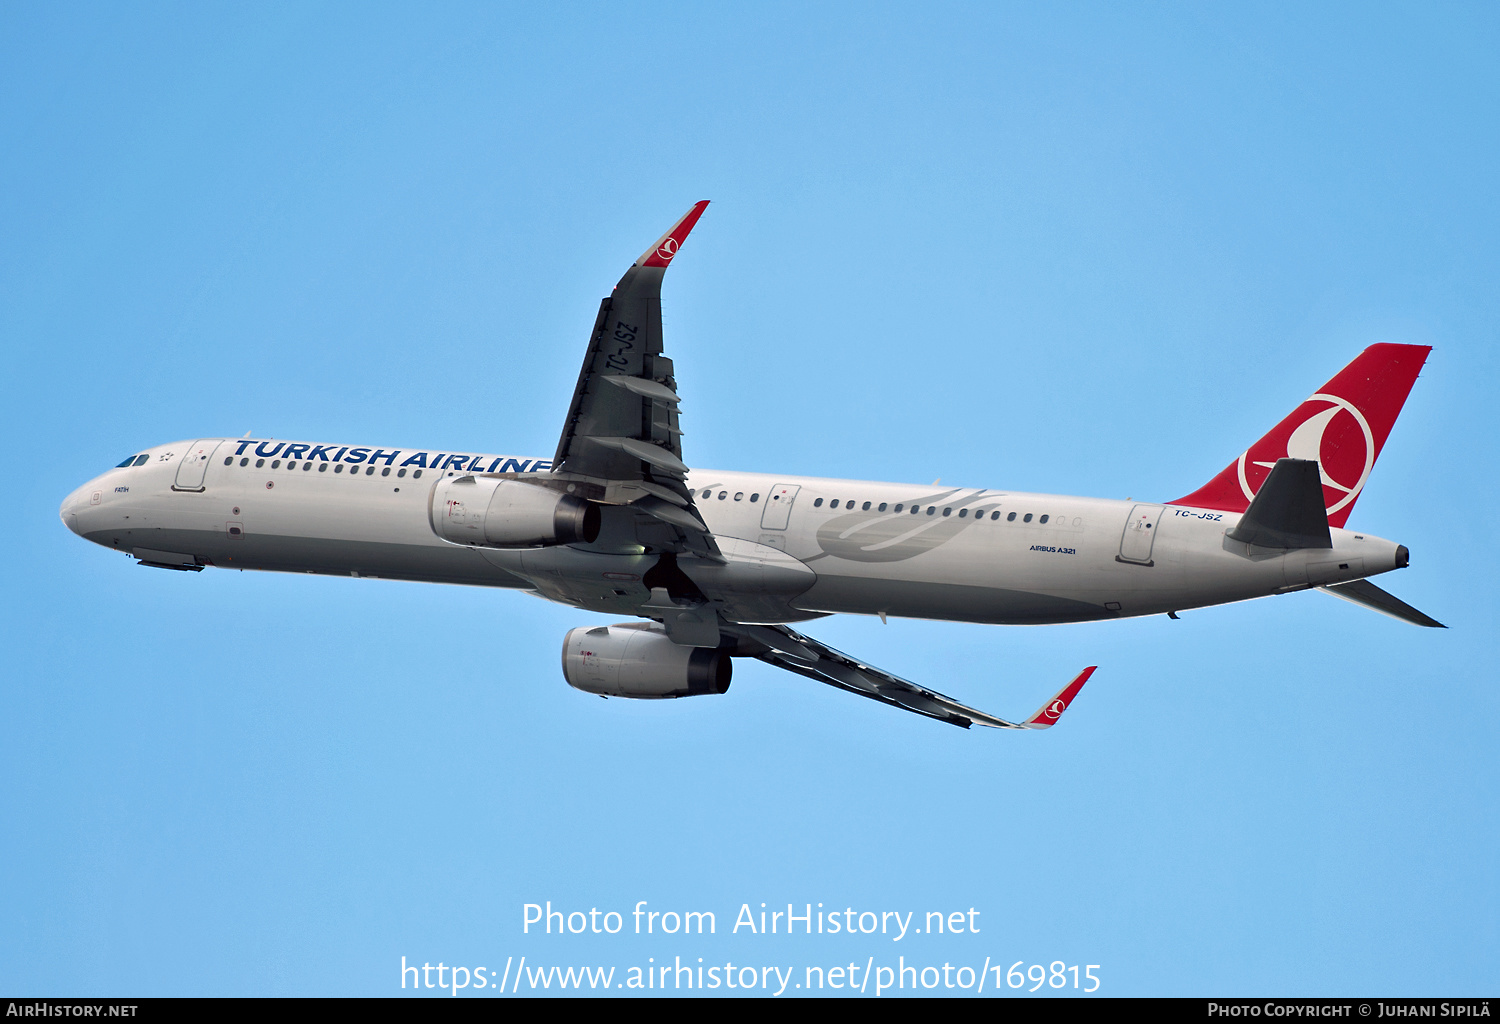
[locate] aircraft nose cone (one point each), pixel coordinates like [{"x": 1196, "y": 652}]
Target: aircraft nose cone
[{"x": 69, "y": 512}]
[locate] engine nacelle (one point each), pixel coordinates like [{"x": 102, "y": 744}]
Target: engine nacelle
[
  {"x": 509, "y": 514},
  {"x": 635, "y": 659}
]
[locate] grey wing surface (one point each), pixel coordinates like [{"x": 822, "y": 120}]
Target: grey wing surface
[
  {"x": 621, "y": 436},
  {"x": 786, "y": 648}
]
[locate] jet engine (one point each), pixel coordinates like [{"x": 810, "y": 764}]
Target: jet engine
[
  {"x": 509, "y": 514},
  {"x": 635, "y": 659}
]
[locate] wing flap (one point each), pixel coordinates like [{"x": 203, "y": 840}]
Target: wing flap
[
  {"x": 670, "y": 512},
  {"x": 656, "y": 456},
  {"x": 646, "y": 388}
]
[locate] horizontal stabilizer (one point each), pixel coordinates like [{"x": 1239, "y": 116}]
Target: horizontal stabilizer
[
  {"x": 1288, "y": 510},
  {"x": 1368, "y": 594}
]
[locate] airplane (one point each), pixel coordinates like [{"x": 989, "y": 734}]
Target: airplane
[{"x": 714, "y": 565}]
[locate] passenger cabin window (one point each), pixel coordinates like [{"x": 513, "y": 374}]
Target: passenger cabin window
[
  {"x": 818, "y": 503},
  {"x": 755, "y": 497},
  {"x": 1042, "y": 520},
  {"x": 881, "y": 507},
  {"x": 322, "y": 467},
  {"x": 1010, "y": 518},
  {"x": 339, "y": 468},
  {"x": 1027, "y": 518},
  {"x": 228, "y": 462},
  {"x": 739, "y": 495},
  {"x": 897, "y": 508},
  {"x": 259, "y": 463},
  {"x": 244, "y": 462}
]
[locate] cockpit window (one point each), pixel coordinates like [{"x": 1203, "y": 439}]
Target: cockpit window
[
  {"x": 141, "y": 460},
  {"x": 134, "y": 460}
]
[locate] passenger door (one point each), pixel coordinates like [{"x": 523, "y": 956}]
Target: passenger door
[
  {"x": 1140, "y": 534},
  {"x": 779, "y": 507},
  {"x": 194, "y": 464}
]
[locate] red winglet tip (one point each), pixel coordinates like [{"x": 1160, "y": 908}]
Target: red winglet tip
[
  {"x": 1050, "y": 712},
  {"x": 660, "y": 254}
]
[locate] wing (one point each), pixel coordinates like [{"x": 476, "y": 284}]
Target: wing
[
  {"x": 621, "y": 435},
  {"x": 788, "y": 649}
]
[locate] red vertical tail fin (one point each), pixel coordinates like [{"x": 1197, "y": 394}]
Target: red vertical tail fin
[{"x": 1343, "y": 428}]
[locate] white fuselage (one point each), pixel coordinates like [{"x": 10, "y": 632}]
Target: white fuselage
[{"x": 965, "y": 554}]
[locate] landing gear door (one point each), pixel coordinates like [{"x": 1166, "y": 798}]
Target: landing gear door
[
  {"x": 194, "y": 464},
  {"x": 1140, "y": 534},
  {"x": 779, "y": 506}
]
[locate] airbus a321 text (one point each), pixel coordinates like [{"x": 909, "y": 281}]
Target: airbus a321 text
[{"x": 711, "y": 565}]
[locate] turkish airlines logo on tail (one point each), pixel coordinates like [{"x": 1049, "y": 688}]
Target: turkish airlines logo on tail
[
  {"x": 1342, "y": 428},
  {"x": 667, "y": 250},
  {"x": 1332, "y": 432}
]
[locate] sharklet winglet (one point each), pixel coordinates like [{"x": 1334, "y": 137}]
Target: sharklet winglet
[
  {"x": 1047, "y": 715},
  {"x": 660, "y": 254}
]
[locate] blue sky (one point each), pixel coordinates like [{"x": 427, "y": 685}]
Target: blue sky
[{"x": 1093, "y": 249}]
